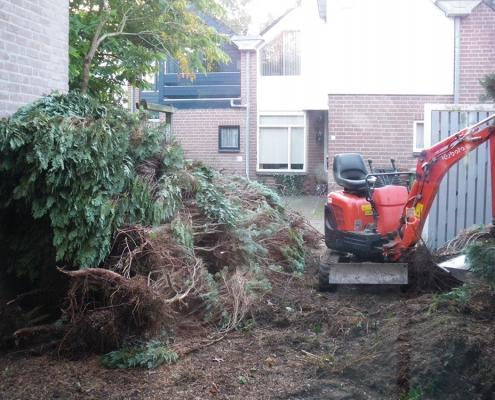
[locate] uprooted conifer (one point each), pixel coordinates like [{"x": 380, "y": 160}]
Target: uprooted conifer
[{"x": 145, "y": 236}]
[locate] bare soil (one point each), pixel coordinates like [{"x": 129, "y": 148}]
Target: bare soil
[{"x": 358, "y": 343}]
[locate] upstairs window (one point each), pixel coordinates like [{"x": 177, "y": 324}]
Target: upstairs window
[{"x": 282, "y": 56}]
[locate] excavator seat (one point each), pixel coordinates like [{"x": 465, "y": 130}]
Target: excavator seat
[{"x": 349, "y": 171}]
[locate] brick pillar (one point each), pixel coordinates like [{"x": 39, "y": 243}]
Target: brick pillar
[{"x": 251, "y": 70}]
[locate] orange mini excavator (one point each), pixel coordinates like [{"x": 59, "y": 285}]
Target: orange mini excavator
[{"x": 375, "y": 220}]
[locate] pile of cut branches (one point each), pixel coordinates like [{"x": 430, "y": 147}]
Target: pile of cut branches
[{"x": 142, "y": 237}]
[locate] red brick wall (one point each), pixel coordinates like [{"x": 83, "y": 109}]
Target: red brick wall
[
  {"x": 477, "y": 52},
  {"x": 379, "y": 127},
  {"x": 197, "y": 131}
]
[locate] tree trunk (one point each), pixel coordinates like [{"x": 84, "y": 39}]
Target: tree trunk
[
  {"x": 95, "y": 43},
  {"x": 85, "y": 74}
]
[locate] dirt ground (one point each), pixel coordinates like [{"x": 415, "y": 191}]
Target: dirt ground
[{"x": 358, "y": 343}]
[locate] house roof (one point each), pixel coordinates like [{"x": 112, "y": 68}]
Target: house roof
[
  {"x": 322, "y": 9},
  {"x": 247, "y": 42},
  {"x": 461, "y": 8},
  {"x": 277, "y": 20},
  {"x": 220, "y": 26}
]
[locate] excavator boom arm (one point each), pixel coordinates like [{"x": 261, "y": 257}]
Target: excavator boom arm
[{"x": 433, "y": 164}]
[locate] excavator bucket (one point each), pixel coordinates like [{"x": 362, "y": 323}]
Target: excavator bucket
[{"x": 368, "y": 273}]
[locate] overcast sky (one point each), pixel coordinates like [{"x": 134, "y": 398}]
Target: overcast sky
[{"x": 263, "y": 10}]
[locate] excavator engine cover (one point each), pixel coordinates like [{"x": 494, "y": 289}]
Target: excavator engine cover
[
  {"x": 351, "y": 212},
  {"x": 351, "y": 227},
  {"x": 389, "y": 202}
]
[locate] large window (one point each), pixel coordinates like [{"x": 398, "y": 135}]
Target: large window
[
  {"x": 282, "y": 56},
  {"x": 281, "y": 144}
]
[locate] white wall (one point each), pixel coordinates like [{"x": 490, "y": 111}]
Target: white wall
[
  {"x": 389, "y": 47},
  {"x": 309, "y": 90}
]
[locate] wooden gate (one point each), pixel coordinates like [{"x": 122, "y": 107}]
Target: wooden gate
[{"x": 464, "y": 198}]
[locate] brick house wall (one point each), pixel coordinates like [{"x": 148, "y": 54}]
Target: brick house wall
[
  {"x": 197, "y": 132},
  {"x": 197, "y": 129},
  {"x": 380, "y": 127},
  {"x": 34, "y": 46},
  {"x": 477, "y": 52}
]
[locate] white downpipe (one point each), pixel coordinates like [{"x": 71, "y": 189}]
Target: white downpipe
[
  {"x": 248, "y": 111},
  {"x": 457, "y": 58}
]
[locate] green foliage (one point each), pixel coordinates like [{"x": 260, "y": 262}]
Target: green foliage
[
  {"x": 415, "y": 393},
  {"x": 294, "y": 252},
  {"x": 72, "y": 161},
  {"x": 271, "y": 197},
  {"x": 290, "y": 185},
  {"x": 488, "y": 82},
  {"x": 173, "y": 157},
  {"x": 456, "y": 299},
  {"x": 481, "y": 259},
  {"x": 236, "y": 15},
  {"x": 149, "y": 356},
  {"x": 212, "y": 202},
  {"x": 183, "y": 234},
  {"x": 124, "y": 40}
]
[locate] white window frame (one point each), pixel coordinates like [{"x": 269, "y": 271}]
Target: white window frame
[
  {"x": 416, "y": 149},
  {"x": 305, "y": 130}
]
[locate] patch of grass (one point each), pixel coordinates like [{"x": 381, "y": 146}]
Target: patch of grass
[
  {"x": 413, "y": 394},
  {"x": 151, "y": 355},
  {"x": 454, "y": 300}
]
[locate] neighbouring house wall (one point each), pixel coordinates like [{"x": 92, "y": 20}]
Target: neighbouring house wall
[
  {"x": 389, "y": 47},
  {"x": 380, "y": 127},
  {"x": 197, "y": 132},
  {"x": 34, "y": 60},
  {"x": 308, "y": 90},
  {"x": 197, "y": 129},
  {"x": 477, "y": 52}
]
